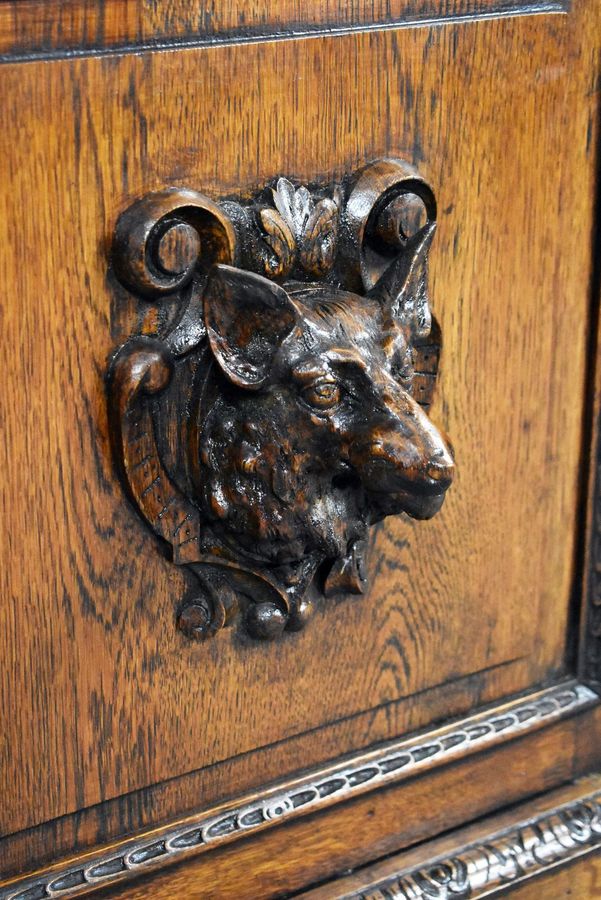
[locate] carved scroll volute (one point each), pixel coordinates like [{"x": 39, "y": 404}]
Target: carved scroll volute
[
  {"x": 384, "y": 196},
  {"x": 162, "y": 243},
  {"x": 389, "y": 224},
  {"x": 161, "y": 240},
  {"x": 258, "y": 438}
]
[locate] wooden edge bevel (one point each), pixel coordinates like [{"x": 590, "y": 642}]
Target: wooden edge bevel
[
  {"x": 32, "y": 30},
  {"x": 311, "y": 792}
]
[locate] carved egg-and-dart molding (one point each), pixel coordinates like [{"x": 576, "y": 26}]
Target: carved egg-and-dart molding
[{"x": 283, "y": 410}]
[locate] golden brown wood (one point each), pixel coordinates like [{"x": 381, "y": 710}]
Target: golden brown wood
[
  {"x": 187, "y": 793},
  {"x": 107, "y": 699},
  {"x": 105, "y": 708},
  {"x": 579, "y": 881},
  {"x": 312, "y": 792},
  {"x": 518, "y": 853},
  {"x": 309, "y": 851},
  {"x": 38, "y": 28}
]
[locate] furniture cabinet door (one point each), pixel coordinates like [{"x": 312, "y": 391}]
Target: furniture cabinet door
[{"x": 286, "y": 165}]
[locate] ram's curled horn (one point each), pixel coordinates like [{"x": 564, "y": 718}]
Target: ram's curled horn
[
  {"x": 368, "y": 242},
  {"x": 163, "y": 240}
]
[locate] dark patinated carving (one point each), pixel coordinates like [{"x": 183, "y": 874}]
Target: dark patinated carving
[{"x": 281, "y": 409}]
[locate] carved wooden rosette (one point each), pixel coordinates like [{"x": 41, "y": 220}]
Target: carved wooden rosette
[{"x": 280, "y": 411}]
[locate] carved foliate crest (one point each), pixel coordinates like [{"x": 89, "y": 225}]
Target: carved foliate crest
[{"x": 281, "y": 410}]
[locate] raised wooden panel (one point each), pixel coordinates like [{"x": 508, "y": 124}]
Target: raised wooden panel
[{"x": 98, "y": 686}]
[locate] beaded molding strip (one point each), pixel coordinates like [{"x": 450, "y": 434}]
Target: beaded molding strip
[{"x": 310, "y": 793}]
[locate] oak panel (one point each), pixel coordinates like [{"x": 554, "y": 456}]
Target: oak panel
[
  {"x": 579, "y": 881},
  {"x": 44, "y": 29},
  {"x": 314, "y": 791},
  {"x": 96, "y": 683}
]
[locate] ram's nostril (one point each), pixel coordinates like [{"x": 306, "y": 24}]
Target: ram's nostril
[{"x": 440, "y": 472}]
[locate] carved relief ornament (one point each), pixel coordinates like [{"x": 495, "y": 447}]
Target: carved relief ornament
[{"x": 280, "y": 411}]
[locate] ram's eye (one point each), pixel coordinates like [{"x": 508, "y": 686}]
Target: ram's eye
[{"x": 323, "y": 394}]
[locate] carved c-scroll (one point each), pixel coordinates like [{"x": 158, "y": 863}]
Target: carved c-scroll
[
  {"x": 143, "y": 366},
  {"x": 145, "y": 225},
  {"x": 142, "y": 369}
]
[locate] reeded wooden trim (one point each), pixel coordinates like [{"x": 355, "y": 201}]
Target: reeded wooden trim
[
  {"x": 43, "y": 29},
  {"x": 487, "y": 868},
  {"x": 310, "y": 793}
]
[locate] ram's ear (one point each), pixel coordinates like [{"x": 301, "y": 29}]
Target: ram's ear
[
  {"x": 247, "y": 318},
  {"x": 403, "y": 288}
]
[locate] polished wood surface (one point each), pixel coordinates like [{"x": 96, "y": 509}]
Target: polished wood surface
[
  {"x": 111, "y": 721},
  {"x": 561, "y": 713},
  {"x": 291, "y": 857},
  {"x": 579, "y": 881},
  {"x": 194, "y": 792},
  {"x": 548, "y": 847},
  {"x": 42, "y": 28},
  {"x": 106, "y": 698}
]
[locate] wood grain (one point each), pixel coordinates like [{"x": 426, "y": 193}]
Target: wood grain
[
  {"x": 33, "y": 29},
  {"x": 579, "y": 881},
  {"x": 181, "y": 795},
  {"x": 494, "y": 835},
  {"x": 98, "y": 686},
  {"x": 318, "y": 848},
  {"x": 310, "y": 793}
]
